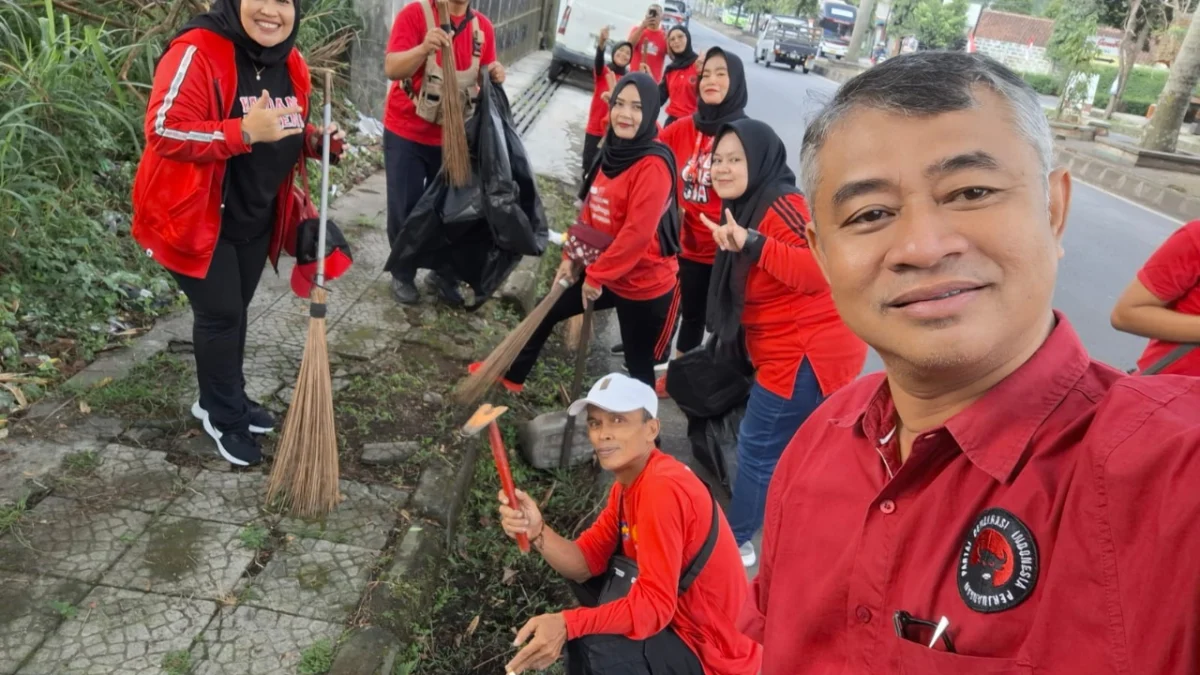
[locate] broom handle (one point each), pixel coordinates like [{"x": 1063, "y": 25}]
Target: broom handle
[
  {"x": 581, "y": 355},
  {"x": 324, "y": 180},
  {"x": 506, "y": 481}
]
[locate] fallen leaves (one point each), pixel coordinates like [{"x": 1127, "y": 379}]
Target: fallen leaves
[
  {"x": 510, "y": 576},
  {"x": 84, "y": 408},
  {"x": 473, "y": 626}
]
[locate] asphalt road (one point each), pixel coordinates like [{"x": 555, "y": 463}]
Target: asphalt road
[{"x": 1107, "y": 238}]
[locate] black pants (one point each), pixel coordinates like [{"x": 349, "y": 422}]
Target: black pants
[
  {"x": 661, "y": 654},
  {"x": 219, "y": 303},
  {"x": 410, "y": 168},
  {"x": 693, "y": 302},
  {"x": 645, "y": 329},
  {"x": 591, "y": 146}
]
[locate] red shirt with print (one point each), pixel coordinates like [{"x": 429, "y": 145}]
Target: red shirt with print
[
  {"x": 651, "y": 49},
  {"x": 629, "y": 208},
  {"x": 1172, "y": 274},
  {"x": 693, "y": 156},
  {"x": 598, "y": 114},
  {"x": 668, "y": 513},
  {"x": 1054, "y": 522},
  {"x": 683, "y": 92},
  {"x": 408, "y": 31},
  {"x": 789, "y": 313}
]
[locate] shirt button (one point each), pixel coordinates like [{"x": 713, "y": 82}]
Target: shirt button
[
  {"x": 887, "y": 506},
  {"x": 863, "y": 614}
]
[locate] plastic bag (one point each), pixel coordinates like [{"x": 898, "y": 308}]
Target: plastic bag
[
  {"x": 707, "y": 383},
  {"x": 714, "y": 443}
]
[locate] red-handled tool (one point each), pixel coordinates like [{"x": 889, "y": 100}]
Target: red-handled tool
[{"x": 486, "y": 416}]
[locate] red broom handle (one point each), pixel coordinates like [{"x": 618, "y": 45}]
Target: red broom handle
[{"x": 506, "y": 481}]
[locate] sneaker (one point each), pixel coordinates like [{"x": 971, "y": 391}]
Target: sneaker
[
  {"x": 507, "y": 384},
  {"x": 237, "y": 447},
  {"x": 405, "y": 292},
  {"x": 748, "y": 556},
  {"x": 446, "y": 289},
  {"x": 660, "y": 387},
  {"x": 617, "y": 349},
  {"x": 261, "y": 420}
]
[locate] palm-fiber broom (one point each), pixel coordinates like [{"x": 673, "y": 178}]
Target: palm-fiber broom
[
  {"x": 304, "y": 477},
  {"x": 456, "y": 156},
  {"x": 475, "y": 385}
]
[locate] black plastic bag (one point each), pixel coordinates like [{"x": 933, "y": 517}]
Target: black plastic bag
[
  {"x": 710, "y": 380},
  {"x": 714, "y": 443}
]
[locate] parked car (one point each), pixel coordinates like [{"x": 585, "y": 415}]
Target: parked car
[
  {"x": 788, "y": 40},
  {"x": 675, "y": 13},
  {"x": 730, "y": 18},
  {"x": 579, "y": 26}
]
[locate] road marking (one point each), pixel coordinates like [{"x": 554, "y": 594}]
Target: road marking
[{"x": 1160, "y": 214}]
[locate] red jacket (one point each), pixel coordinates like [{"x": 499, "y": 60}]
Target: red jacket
[{"x": 177, "y": 192}]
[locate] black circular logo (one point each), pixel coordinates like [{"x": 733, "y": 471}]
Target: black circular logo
[{"x": 998, "y": 567}]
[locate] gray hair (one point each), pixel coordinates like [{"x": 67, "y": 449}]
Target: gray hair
[{"x": 924, "y": 84}]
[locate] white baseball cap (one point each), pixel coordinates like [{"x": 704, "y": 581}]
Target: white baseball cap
[{"x": 618, "y": 393}]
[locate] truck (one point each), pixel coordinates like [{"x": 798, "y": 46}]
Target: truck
[{"x": 788, "y": 40}]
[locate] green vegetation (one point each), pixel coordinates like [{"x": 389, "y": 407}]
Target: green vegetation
[
  {"x": 153, "y": 388},
  {"x": 10, "y": 514},
  {"x": 317, "y": 659},
  {"x": 254, "y": 537},
  {"x": 64, "y": 609},
  {"x": 177, "y": 662},
  {"x": 1145, "y": 84}
]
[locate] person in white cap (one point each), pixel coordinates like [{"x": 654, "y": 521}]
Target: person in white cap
[{"x": 662, "y": 529}]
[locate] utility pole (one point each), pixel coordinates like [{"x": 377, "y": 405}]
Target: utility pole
[{"x": 863, "y": 22}]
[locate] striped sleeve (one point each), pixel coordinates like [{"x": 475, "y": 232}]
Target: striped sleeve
[
  {"x": 178, "y": 124},
  {"x": 785, "y": 253}
]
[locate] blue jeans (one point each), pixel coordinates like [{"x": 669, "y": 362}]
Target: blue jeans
[{"x": 768, "y": 426}]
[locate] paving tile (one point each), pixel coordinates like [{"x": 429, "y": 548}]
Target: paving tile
[
  {"x": 70, "y": 539},
  {"x": 254, "y": 641},
  {"x": 364, "y": 519},
  {"x": 130, "y": 478},
  {"x": 184, "y": 556},
  {"x": 313, "y": 578},
  {"x": 32, "y": 609},
  {"x": 363, "y": 341},
  {"x": 234, "y": 498},
  {"x": 377, "y": 308},
  {"x": 121, "y": 632}
]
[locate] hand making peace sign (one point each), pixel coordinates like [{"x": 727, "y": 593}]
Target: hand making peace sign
[{"x": 730, "y": 236}]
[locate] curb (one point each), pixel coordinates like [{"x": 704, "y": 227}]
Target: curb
[
  {"x": 1115, "y": 179},
  {"x": 835, "y": 73}
]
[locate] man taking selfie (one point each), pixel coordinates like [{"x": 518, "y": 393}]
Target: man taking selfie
[
  {"x": 649, "y": 42},
  {"x": 660, "y": 527}
]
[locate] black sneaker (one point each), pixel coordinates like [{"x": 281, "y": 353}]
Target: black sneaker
[
  {"x": 618, "y": 349},
  {"x": 446, "y": 289},
  {"x": 405, "y": 292},
  {"x": 237, "y": 447},
  {"x": 261, "y": 420}
]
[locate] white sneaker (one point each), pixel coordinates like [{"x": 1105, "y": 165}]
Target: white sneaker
[{"x": 748, "y": 556}]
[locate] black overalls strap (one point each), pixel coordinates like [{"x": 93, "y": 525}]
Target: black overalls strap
[{"x": 694, "y": 567}]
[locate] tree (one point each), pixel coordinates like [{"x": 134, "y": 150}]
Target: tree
[
  {"x": 862, "y": 25},
  {"x": 939, "y": 25},
  {"x": 1071, "y": 50},
  {"x": 1013, "y": 6},
  {"x": 1163, "y": 131}
]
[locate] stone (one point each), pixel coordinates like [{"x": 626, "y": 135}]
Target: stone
[
  {"x": 386, "y": 454},
  {"x": 128, "y": 478},
  {"x": 68, "y": 539},
  {"x": 435, "y": 496},
  {"x": 520, "y": 288},
  {"x": 121, "y": 632},
  {"x": 255, "y": 641},
  {"x": 184, "y": 556},
  {"x": 364, "y": 652},
  {"x": 365, "y": 518},
  {"x": 224, "y": 497},
  {"x": 313, "y": 578},
  {"x": 433, "y": 398},
  {"x": 26, "y": 463},
  {"x": 142, "y": 435},
  {"x": 33, "y": 608},
  {"x": 404, "y": 586},
  {"x": 540, "y": 441}
]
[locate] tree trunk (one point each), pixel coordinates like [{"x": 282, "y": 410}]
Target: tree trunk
[
  {"x": 1130, "y": 45},
  {"x": 863, "y": 23},
  {"x": 1163, "y": 131}
]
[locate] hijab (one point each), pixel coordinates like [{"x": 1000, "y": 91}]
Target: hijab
[
  {"x": 710, "y": 118},
  {"x": 768, "y": 180},
  {"x": 685, "y": 60},
  {"x": 612, "y": 64},
  {"x": 224, "y": 17}
]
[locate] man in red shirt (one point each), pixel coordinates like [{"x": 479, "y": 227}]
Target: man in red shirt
[
  {"x": 412, "y": 139},
  {"x": 995, "y": 501},
  {"x": 1163, "y": 303},
  {"x": 649, "y": 44},
  {"x": 678, "y": 617}
]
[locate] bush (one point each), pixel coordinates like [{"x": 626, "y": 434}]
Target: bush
[{"x": 1142, "y": 90}]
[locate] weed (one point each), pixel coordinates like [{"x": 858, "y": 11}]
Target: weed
[
  {"x": 254, "y": 537},
  {"x": 128, "y": 538},
  {"x": 317, "y": 659},
  {"x": 79, "y": 464},
  {"x": 10, "y": 514},
  {"x": 65, "y": 609},
  {"x": 152, "y": 388},
  {"x": 177, "y": 662}
]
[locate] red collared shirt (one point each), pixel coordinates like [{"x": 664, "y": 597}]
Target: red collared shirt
[{"x": 1055, "y": 523}]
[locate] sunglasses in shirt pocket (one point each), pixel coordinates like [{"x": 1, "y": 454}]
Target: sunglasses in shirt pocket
[{"x": 918, "y": 659}]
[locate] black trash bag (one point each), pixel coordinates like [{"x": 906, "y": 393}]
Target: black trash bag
[
  {"x": 710, "y": 380},
  {"x": 714, "y": 443},
  {"x": 478, "y": 233}
]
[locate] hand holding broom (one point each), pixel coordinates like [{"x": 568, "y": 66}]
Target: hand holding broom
[{"x": 456, "y": 155}]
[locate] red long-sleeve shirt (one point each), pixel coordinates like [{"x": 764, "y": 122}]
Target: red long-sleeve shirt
[
  {"x": 629, "y": 208},
  {"x": 789, "y": 313},
  {"x": 693, "y": 156},
  {"x": 1172, "y": 274},
  {"x": 683, "y": 93},
  {"x": 668, "y": 513}
]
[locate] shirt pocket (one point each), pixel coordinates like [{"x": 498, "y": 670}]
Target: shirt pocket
[{"x": 919, "y": 659}]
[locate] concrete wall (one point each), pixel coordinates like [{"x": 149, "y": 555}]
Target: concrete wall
[{"x": 1021, "y": 58}]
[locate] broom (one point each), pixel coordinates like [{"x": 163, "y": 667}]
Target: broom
[
  {"x": 305, "y": 473},
  {"x": 456, "y": 156},
  {"x": 475, "y": 385}
]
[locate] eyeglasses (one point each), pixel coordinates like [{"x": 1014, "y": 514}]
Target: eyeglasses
[{"x": 909, "y": 627}]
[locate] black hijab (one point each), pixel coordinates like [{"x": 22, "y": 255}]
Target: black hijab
[
  {"x": 685, "y": 60},
  {"x": 619, "y": 154},
  {"x": 224, "y": 17},
  {"x": 768, "y": 179},
  {"x": 612, "y": 64},
  {"x": 710, "y": 118}
]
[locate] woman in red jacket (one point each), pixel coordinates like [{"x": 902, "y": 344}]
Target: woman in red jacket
[
  {"x": 767, "y": 287},
  {"x": 625, "y": 196},
  {"x": 597, "y": 124},
  {"x": 225, "y": 132},
  {"x": 679, "y": 79}
]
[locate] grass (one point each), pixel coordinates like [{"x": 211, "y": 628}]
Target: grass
[
  {"x": 152, "y": 389},
  {"x": 177, "y": 662},
  {"x": 317, "y": 659},
  {"x": 64, "y": 609},
  {"x": 254, "y": 537},
  {"x": 79, "y": 464},
  {"x": 10, "y": 514}
]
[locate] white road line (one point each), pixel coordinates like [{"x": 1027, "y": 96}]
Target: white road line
[{"x": 1156, "y": 212}]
